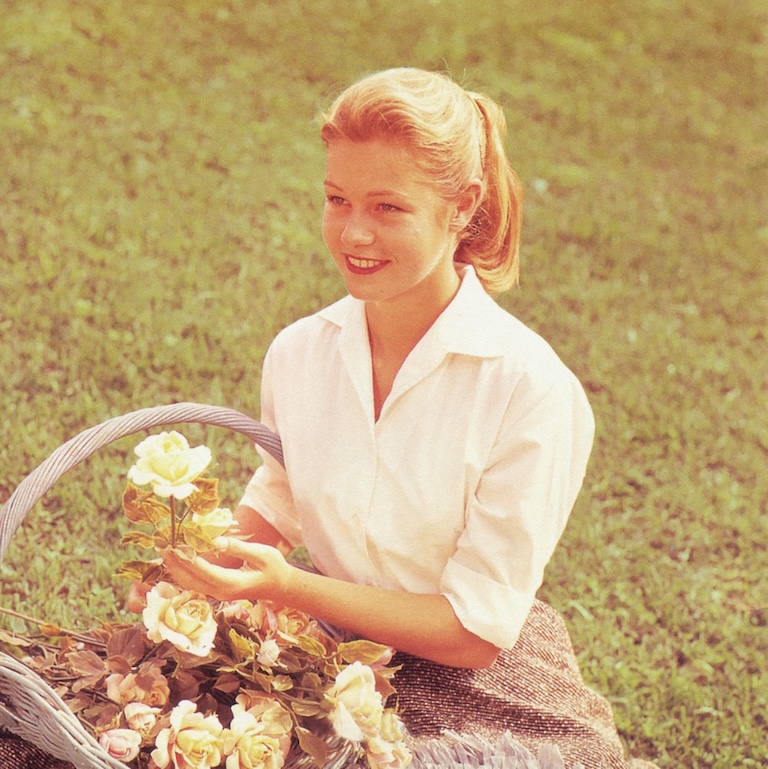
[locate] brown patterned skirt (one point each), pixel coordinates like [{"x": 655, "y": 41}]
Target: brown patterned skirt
[
  {"x": 17, "y": 754},
  {"x": 533, "y": 691}
]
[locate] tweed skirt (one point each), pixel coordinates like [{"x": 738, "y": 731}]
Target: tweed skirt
[{"x": 534, "y": 692}]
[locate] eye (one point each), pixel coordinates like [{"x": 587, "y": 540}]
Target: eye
[
  {"x": 335, "y": 200},
  {"x": 388, "y": 208}
]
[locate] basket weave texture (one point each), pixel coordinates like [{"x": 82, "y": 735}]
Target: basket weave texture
[{"x": 29, "y": 707}]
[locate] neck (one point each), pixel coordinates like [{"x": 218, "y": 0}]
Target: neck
[{"x": 395, "y": 328}]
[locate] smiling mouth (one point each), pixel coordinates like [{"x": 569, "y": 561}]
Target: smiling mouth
[{"x": 363, "y": 266}]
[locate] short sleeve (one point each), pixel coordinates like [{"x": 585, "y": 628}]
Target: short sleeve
[
  {"x": 268, "y": 492},
  {"x": 520, "y": 507}
]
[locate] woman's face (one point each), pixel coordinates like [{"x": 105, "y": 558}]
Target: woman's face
[{"x": 391, "y": 234}]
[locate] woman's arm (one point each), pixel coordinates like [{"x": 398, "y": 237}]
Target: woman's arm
[
  {"x": 255, "y": 528},
  {"x": 423, "y": 625}
]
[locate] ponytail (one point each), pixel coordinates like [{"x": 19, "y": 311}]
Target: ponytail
[{"x": 491, "y": 241}]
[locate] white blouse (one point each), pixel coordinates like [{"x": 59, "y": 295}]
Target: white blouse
[{"x": 464, "y": 484}]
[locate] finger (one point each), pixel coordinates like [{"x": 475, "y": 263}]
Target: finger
[
  {"x": 185, "y": 571},
  {"x": 242, "y": 549},
  {"x": 187, "y": 580}
]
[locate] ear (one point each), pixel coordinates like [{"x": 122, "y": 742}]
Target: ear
[{"x": 466, "y": 205}]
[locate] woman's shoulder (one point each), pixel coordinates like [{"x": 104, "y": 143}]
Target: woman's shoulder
[
  {"x": 308, "y": 331},
  {"x": 482, "y": 327},
  {"x": 524, "y": 364}
]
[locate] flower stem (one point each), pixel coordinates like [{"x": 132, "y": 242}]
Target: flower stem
[
  {"x": 41, "y": 623},
  {"x": 172, "y": 502}
]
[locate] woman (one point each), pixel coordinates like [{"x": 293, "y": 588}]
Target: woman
[{"x": 434, "y": 445}]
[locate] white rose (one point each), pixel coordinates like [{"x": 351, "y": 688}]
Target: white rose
[
  {"x": 168, "y": 463},
  {"x": 357, "y": 706},
  {"x": 183, "y": 617},
  {"x": 215, "y": 523},
  {"x": 269, "y": 652},
  {"x": 193, "y": 740}
]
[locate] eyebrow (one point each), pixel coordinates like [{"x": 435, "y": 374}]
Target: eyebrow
[{"x": 372, "y": 193}]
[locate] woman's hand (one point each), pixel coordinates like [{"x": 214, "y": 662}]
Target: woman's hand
[{"x": 264, "y": 572}]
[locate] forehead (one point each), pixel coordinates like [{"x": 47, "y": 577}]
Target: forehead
[{"x": 377, "y": 163}]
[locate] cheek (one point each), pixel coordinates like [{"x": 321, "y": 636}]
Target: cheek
[{"x": 330, "y": 227}]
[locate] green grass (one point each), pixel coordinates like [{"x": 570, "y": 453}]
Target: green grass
[{"x": 159, "y": 210}]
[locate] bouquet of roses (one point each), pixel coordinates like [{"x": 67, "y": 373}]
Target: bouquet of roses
[{"x": 199, "y": 684}]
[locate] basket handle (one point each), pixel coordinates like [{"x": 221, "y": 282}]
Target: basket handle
[{"x": 79, "y": 448}]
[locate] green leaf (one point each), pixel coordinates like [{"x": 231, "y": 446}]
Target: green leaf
[
  {"x": 194, "y": 535},
  {"x": 307, "y": 708},
  {"x": 310, "y": 645},
  {"x": 143, "y": 571},
  {"x": 363, "y": 651},
  {"x": 228, "y": 683},
  {"x": 139, "y": 538},
  {"x": 243, "y": 648},
  {"x": 143, "y": 506},
  {"x": 282, "y": 683},
  {"x": 206, "y": 498},
  {"x": 311, "y": 681}
]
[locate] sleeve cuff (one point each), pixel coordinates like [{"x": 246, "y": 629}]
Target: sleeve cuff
[{"x": 494, "y": 612}]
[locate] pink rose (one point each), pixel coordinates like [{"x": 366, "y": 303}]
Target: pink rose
[
  {"x": 122, "y": 744},
  {"x": 148, "y": 685},
  {"x": 137, "y": 596},
  {"x": 236, "y": 610},
  {"x": 270, "y": 619}
]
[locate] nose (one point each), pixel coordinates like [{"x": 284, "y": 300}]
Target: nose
[{"x": 356, "y": 232}]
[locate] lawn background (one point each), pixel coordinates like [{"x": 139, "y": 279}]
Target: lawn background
[{"x": 159, "y": 222}]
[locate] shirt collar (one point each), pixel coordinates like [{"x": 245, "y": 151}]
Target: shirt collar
[{"x": 469, "y": 325}]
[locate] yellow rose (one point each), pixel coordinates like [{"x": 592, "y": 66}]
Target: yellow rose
[
  {"x": 275, "y": 719},
  {"x": 122, "y": 744},
  {"x": 168, "y": 463},
  {"x": 141, "y": 717},
  {"x": 215, "y": 523},
  {"x": 249, "y": 744},
  {"x": 183, "y": 617},
  {"x": 357, "y": 706},
  {"x": 392, "y": 728},
  {"x": 388, "y": 750},
  {"x": 193, "y": 740},
  {"x": 387, "y": 755}
]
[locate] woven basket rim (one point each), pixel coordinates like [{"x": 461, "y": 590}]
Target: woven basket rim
[{"x": 21, "y": 687}]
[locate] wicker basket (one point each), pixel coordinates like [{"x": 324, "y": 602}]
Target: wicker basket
[{"x": 28, "y": 705}]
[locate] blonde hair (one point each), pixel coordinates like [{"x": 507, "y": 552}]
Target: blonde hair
[{"x": 456, "y": 136}]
